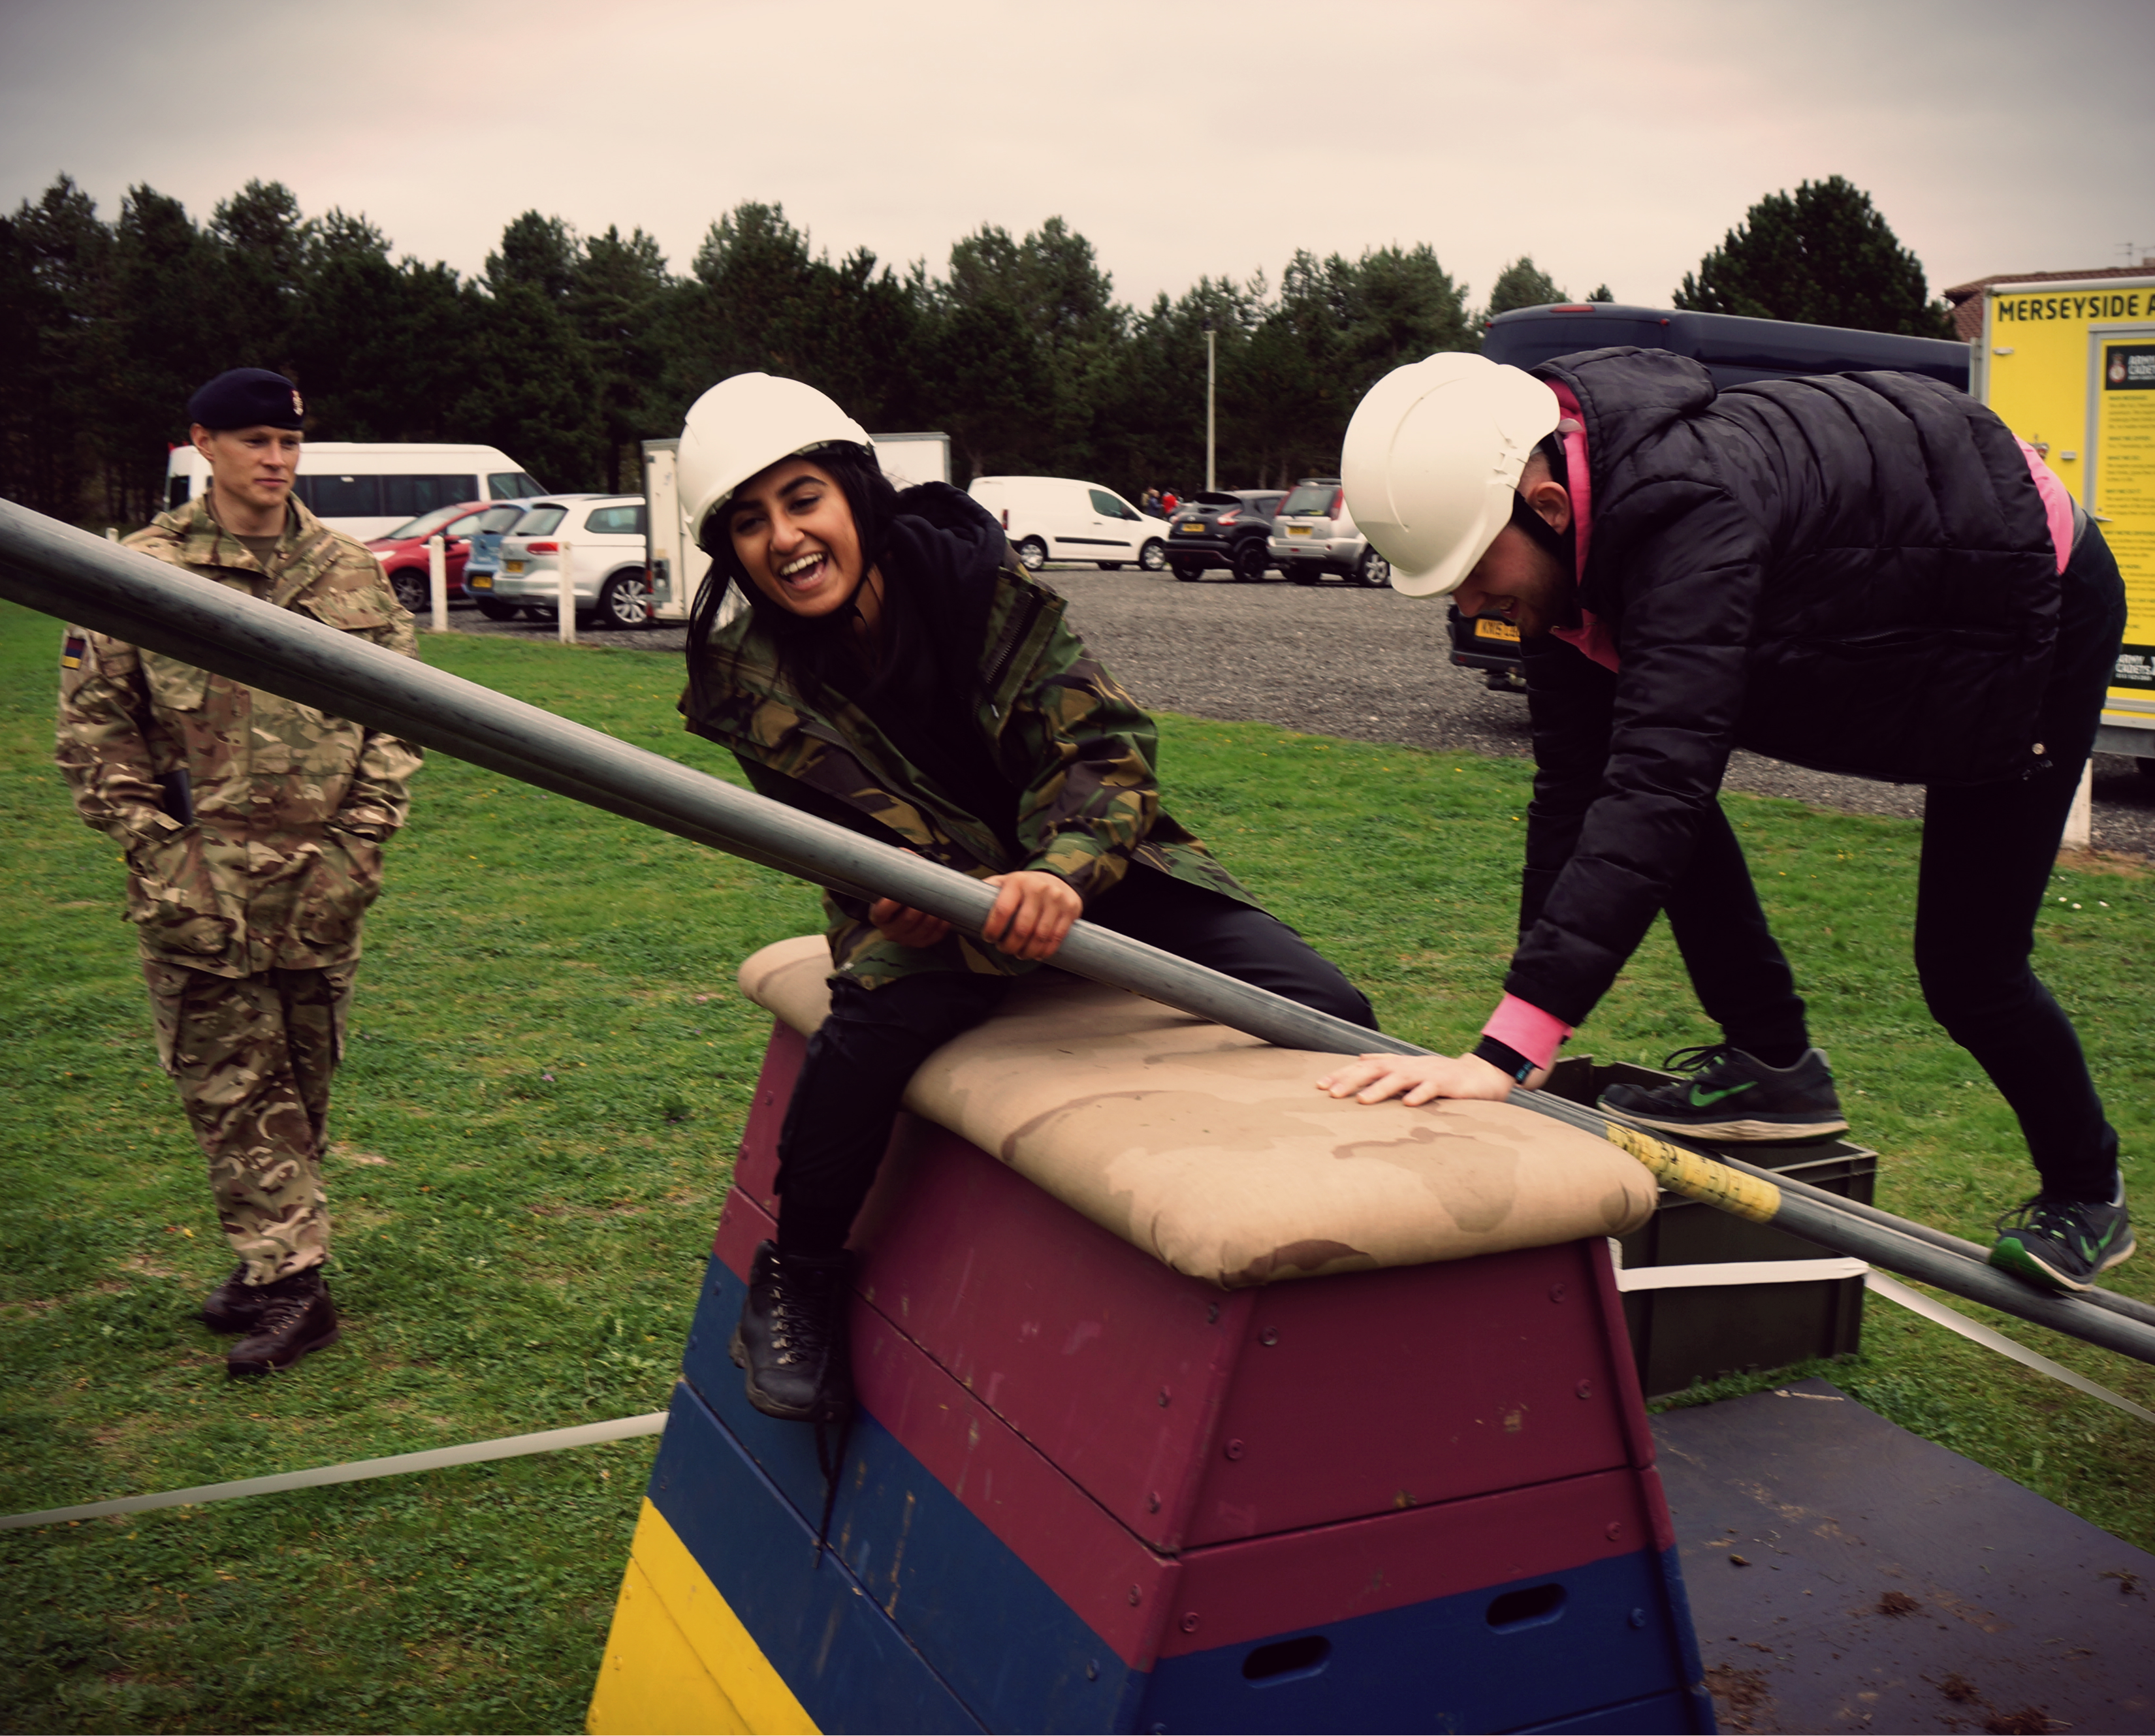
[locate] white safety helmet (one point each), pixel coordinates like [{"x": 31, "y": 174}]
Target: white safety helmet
[
  {"x": 1432, "y": 459},
  {"x": 746, "y": 424}
]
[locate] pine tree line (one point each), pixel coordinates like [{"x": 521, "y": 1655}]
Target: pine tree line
[{"x": 568, "y": 350}]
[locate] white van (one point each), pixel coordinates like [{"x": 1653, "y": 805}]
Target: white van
[
  {"x": 366, "y": 489},
  {"x": 1051, "y": 518}
]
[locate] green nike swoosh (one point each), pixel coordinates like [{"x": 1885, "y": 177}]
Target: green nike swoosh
[
  {"x": 1699, "y": 1099},
  {"x": 2092, "y": 1251}
]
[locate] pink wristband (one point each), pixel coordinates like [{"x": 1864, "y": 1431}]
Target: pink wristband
[{"x": 1520, "y": 1025}]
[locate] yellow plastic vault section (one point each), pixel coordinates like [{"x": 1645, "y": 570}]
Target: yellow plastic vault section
[{"x": 679, "y": 1663}]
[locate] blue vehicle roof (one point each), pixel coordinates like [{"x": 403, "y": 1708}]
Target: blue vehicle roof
[{"x": 1732, "y": 348}]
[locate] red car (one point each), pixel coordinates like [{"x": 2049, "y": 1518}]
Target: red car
[{"x": 403, "y": 552}]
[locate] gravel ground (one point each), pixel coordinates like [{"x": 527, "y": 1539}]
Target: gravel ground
[{"x": 1370, "y": 665}]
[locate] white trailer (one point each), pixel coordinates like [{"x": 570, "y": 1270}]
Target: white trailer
[{"x": 677, "y": 565}]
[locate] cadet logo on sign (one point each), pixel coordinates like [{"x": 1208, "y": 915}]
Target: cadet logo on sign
[{"x": 2131, "y": 367}]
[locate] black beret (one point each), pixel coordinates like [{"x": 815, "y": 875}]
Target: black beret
[{"x": 246, "y": 398}]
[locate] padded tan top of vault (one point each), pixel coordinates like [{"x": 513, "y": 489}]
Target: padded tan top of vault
[{"x": 1214, "y": 1152}]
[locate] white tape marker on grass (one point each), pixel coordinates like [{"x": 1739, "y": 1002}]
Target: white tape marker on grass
[
  {"x": 552, "y": 1440},
  {"x": 1954, "y": 1320}
]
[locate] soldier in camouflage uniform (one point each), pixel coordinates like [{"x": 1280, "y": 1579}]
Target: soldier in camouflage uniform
[
  {"x": 253, "y": 828},
  {"x": 896, "y": 671}
]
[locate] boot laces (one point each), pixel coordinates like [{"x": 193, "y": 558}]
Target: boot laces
[
  {"x": 800, "y": 1323},
  {"x": 281, "y": 1313}
]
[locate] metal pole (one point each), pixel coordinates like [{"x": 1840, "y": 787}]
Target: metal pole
[
  {"x": 2079, "y": 817},
  {"x": 1212, "y": 374},
  {"x": 565, "y": 625},
  {"x": 437, "y": 581},
  {"x": 68, "y": 572},
  {"x": 1750, "y": 1193}
]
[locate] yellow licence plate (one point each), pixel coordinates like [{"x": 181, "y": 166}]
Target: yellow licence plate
[
  {"x": 1297, "y": 530},
  {"x": 512, "y": 566},
  {"x": 481, "y": 581},
  {"x": 1496, "y": 630},
  {"x": 1191, "y": 530}
]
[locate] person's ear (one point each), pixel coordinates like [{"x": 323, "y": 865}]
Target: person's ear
[
  {"x": 199, "y": 437},
  {"x": 1551, "y": 499}
]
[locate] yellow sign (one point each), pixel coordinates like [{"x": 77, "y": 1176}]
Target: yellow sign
[
  {"x": 2070, "y": 368},
  {"x": 2124, "y": 476}
]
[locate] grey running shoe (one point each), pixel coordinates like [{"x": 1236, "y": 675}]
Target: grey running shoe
[
  {"x": 2064, "y": 1244},
  {"x": 1733, "y": 1097}
]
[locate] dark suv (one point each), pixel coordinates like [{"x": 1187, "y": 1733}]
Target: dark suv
[
  {"x": 1733, "y": 349},
  {"x": 1230, "y": 529}
]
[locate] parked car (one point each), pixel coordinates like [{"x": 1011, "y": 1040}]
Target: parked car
[
  {"x": 1052, "y": 518},
  {"x": 402, "y": 552},
  {"x": 482, "y": 563},
  {"x": 606, "y": 544},
  {"x": 1314, "y": 534},
  {"x": 1489, "y": 644},
  {"x": 1232, "y": 528}
]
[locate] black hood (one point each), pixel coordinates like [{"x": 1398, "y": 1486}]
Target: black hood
[
  {"x": 943, "y": 549},
  {"x": 1627, "y": 396}
]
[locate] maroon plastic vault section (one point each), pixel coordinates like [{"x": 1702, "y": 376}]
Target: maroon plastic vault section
[{"x": 1086, "y": 1492}]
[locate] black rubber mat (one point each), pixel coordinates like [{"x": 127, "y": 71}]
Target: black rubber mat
[{"x": 1845, "y": 1575}]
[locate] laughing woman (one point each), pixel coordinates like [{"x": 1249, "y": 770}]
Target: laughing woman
[{"x": 895, "y": 670}]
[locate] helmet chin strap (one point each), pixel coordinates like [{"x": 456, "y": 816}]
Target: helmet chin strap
[{"x": 1545, "y": 536}]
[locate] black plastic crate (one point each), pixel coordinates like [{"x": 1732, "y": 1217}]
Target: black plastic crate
[{"x": 1699, "y": 1333}]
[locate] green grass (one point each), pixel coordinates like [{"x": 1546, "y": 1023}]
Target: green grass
[{"x": 516, "y": 1252}]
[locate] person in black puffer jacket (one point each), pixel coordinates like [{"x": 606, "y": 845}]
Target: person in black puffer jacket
[{"x": 1864, "y": 573}]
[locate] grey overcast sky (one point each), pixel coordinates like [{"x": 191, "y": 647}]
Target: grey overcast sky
[{"x": 1612, "y": 140}]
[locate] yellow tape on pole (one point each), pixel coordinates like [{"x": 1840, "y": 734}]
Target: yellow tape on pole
[{"x": 1698, "y": 1177}]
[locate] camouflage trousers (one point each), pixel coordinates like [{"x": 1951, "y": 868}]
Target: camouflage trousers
[{"x": 253, "y": 1057}]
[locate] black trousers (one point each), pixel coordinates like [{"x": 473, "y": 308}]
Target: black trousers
[
  {"x": 859, "y": 1062},
  {"x": 1988, "y": 854}
]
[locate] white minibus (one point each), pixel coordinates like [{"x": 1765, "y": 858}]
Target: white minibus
[{"x": 368, "y": 488}]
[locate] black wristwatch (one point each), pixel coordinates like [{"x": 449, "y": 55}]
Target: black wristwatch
[{"x": 1504, "y": 1057}]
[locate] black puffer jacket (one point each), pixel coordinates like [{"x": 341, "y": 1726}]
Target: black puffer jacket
[{"x": 1852, "y": 572}]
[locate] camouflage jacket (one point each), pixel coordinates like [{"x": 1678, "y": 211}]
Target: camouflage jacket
[
  {"x": 1075, "y": 749},
  {"x": 282, "y": 853}
]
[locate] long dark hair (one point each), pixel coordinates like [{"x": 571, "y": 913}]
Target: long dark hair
[{"x": 818, "y": 657}]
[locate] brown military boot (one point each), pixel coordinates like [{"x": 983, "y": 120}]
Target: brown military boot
[
  {"x": 297, "y": 1316},
  {"x": 234, "y": 1306}
]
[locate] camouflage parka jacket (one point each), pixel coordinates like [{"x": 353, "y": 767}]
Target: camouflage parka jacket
[
  {"x": 282, "y": 855},
  {"x": 1074, "y": 749}
]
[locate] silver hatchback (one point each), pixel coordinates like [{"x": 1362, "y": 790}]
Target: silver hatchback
[
  {"x": 1314, "y": 534},
  {"x": 602, "y": 539}
]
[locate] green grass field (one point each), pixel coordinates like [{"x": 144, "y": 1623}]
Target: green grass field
[{"x": 549, "y": 1068}]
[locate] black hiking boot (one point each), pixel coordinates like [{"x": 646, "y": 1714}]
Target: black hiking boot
[
  {"x": 234, "y": 1306},
  {"x": 297, "y": 1317},
  {"x": 1733, "y": 1097},
  {"x": 2064, "y": 1244},
  {"x": 792, "y": 1339}
]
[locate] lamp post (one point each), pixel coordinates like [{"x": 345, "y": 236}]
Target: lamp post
[{"x": 1211, "y": 378}]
